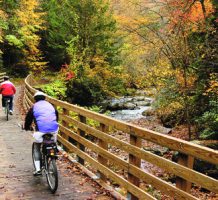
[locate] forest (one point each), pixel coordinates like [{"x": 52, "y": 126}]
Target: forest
[{"x": 89, "y": 50}]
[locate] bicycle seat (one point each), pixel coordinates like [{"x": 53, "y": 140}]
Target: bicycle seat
[
  {"x": 7, "y": 99},
  {"x": 48, "y": 138}
]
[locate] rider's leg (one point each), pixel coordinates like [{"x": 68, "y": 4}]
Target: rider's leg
[
  {"x": 38, "y": 140},
  {"x": 11, "y": 104},
  {"x": 38, "y": 156},
  {"x": 3, "y": 102},
  {"x": 55, "y": 135}
]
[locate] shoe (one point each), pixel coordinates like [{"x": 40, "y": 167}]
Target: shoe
[
  {"x": 11, "y": 112},
  {"x": 37, "y": 173}
]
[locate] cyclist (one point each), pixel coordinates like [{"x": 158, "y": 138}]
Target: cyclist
[
  {"x": 8, "y": 90},
  {"x": 45, "y": 117}
]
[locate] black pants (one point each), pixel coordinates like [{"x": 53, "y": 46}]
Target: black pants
[{"x": 10, "y": 103}]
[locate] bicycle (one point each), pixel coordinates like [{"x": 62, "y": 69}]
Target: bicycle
[
  {"x": 7, "y": 102},
  {"x": 49, "y": 152}
]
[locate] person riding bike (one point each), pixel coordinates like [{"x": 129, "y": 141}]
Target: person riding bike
[
  {"x": 45, "y": 117},
  {"x": 8, "y": 90}
]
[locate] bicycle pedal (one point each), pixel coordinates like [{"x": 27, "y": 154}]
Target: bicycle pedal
[{"x": 37, "y": 173}]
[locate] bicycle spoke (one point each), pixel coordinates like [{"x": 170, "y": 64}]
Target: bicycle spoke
[{"x": 52, "y": 175}]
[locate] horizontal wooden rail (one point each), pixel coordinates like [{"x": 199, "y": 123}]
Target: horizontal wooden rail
[
  {"x": 2, "y": 74},
  {"x": 182, "y": 146},
  {"x": 159, "y": 184},
  {"x": 135, "y": 190},
  {"x": 179, "y": 170},
  {"x": 75, "y": 131}
]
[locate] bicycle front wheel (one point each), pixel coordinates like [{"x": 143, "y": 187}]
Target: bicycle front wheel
[
  {"x": 52, "y": 174},
  {"x": 35, "y": 153}
]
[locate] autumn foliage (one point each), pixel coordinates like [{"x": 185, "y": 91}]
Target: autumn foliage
[
  {"x": 101, "y": 48},
  {"x": 191, "y": 13}
]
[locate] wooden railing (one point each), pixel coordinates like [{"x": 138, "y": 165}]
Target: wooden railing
[
  {"x": 75, "y": 132},
  {"x": 2, "y": 76}
]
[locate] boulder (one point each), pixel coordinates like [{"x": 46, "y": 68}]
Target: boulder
[
  {"x": 143, "y": 103},
  {"x": 148, "y": 112},
  {"x": 162, "y": 129},
  {"x": 139, "y": 98},
  {"x": 129, "y": 106}
]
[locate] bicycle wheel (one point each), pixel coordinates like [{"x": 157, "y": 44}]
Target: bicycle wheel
[
  {"x": 52, "y": 174},
  {"x": 35, "y": 154}
]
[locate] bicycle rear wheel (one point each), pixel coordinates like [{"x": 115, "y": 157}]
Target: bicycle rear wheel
[{"x": 52, "y": 174}]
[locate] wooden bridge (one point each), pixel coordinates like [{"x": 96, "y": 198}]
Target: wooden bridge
[
  {"x": 76, "y": 129},
  {"x": 88, "y": 136},
  {"x": 16, "y": 167}
]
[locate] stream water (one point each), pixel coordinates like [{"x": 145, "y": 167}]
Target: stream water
[
  {"x": 126, "y": 115},
  {"x": 129, "y": 108}
]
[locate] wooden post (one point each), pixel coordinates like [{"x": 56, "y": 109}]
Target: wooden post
[
  {"x": 81, "y": 133},
  {"x": 65, "y": 124},
  {"x": 134, "y": 161},
  {"x": 187, "y": 161},
  {"x": 104, "y": 145}
]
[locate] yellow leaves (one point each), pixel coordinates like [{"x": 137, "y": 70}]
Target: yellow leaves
[
  {"x": 203, "y": 55},
  {"x": 27, "y": 14},
  {"x": 213, "y": 85},
  {"x": 3, "y": 15},
  {"x": 30, "y": 21},
  {"x": 171, "y": 108},
  {"x": 99, "y": 71},
  {"x": 180, "y": 78},
  {"x": 156, "y": 74},
  {"x": 127, "y": 21},
  {"x": 99, "y": 60}
]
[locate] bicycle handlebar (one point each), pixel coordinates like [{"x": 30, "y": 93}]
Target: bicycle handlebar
[{"x": 21, "y": 125}]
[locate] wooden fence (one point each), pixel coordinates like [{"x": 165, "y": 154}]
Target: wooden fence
[
  {"x": 76, "y": 131},
  {"x": 2, "y": 76}
]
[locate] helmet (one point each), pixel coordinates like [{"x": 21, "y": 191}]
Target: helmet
[
  {"x": 39, "y": 96},
  {"x": 6, "y": 78},
  {"x": 39, "y": 93}
]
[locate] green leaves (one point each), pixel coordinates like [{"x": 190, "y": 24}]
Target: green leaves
[
  {"x": 14, "y": 41},
  {"x": 208, "y": 122},
  {"x": 56, "y": 89}
]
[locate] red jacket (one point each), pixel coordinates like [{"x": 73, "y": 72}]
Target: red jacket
[{"x": 7, "y": 88}]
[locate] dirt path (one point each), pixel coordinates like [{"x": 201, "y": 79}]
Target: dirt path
[{"x": 16, "y": 179}]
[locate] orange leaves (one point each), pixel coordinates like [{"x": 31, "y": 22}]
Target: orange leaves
[
  {"x": 67, "y": 72},
  {"x": 70, "y": 75},
  {"x": 188, "y": 13},
  {"x": 197, "y": 14}
]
